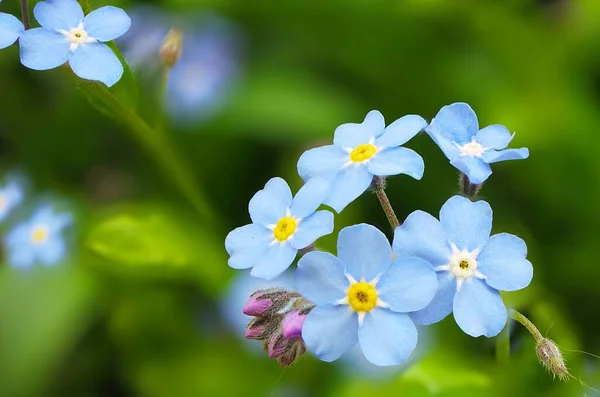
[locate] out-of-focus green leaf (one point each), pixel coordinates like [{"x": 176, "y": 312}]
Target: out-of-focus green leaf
[{"x": 42, "y": 313}]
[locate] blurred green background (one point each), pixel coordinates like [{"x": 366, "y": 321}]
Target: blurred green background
[{"x": 137, "y": 307}]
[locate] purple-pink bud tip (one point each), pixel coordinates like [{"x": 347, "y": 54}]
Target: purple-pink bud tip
[
  {"x": 254, "y": 333},
  {"x": 276, "y": 346},
  {"x": 292, "y": 325},
  {"x": 256, "y": 306}
]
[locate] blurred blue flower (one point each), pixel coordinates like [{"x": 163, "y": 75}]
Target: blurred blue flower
[
  {"x": 363, "y": 296},
  {"x": 208, "y": 66},
  {"x": 471, "y": 266},
  {"x": 456, "y": 131},
  {"x": 11, "y": 195},
  {"x": 38, "y": 239},
  {"x": 67, "y": 35},
  {"x": 281, "y": 226},
  {"x": 10, "y": 29},
  {"x": 361, "y": 151}
]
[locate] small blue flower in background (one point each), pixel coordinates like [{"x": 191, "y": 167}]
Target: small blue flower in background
[
  {"x": 198, "y": 82},
  {"x": 10, "y": 29},
  {"x": 38, "y": 240},
  {"x": 362, "y": 296},
  {"x": 11, "y": 195},
  {"x": 456, "y": 131},
  {"x": 471, "y": 266},
  {"x": 281, "y": 226},
  {"x": 360, "y": 152},
  {"x": 67, "y": 35}
]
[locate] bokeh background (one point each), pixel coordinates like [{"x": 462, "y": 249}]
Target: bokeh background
[{"x": 144, "y": 303}]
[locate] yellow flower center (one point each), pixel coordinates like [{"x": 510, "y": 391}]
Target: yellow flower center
[
  {"x": 363, "y": 152},
  {"x": 463, "y": 264},
  {"x": 39, "y": 234},
  {"x": 285, "y": 228},
  {"x": 362, "y": 297}
]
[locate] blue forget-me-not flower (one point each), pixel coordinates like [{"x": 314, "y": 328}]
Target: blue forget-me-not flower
[
  {"x": 10, "y": 29},
  {"x": 281, "y": 226},
  {"x": 67, "y": 35},
  {"x": 471, "y": 266},
  {"x": 38, "y": 240},
  {"x": 11, "y": 195},
  {"x": 456, "y": 131},
  {"x": 360, "y": 152},
  {"x": 362, "y": 296}
]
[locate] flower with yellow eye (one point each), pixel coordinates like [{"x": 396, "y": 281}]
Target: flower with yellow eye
[
  {"x": 281, "y": 226},
  {"x": 363, "y": 296},
  {"x": 471, "y": 266},
  {"x": 38, "y": 240},
  {"x": 361, "y": 152},
  {"x": 456, "y": 131}
]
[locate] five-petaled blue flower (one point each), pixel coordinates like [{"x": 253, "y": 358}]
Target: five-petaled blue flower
[
  {"x": 11, "y": 195},
  {"x": 360, "y": 152},
  {"x": 67, "y": 35},
  {"x": 281, "y": 226},
  {"x": 38, "y": 239},
  {"x": 363, "y": 295},
  {"x": 456, "y": 131},
  {"x": 10, "y": 29},
  {"x": 471, "y": 265}
]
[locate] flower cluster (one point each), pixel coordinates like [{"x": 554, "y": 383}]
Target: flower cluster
[
  {"x": 38, "y": 239},
  {"x": 67, "y": 35},
  {"x": 372, "y": 293}
]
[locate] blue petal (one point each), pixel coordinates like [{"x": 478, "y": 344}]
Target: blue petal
[
  {"x": 106, "y": 23},
  {"x": 21, "y": 257},
  {"x": 323, "y": 161},
  {"x": 479, "y": 310},
  {"x": 475, "y": 168},
  {"x": 441, "y": 305},
  {"x": 10, "y": 29},
  {"x": 364, "y": 250},
  {"x": 96, "y": 61},
  {"x": 409, "y": 285},
  {"x": 18, "y": 236},
  {"x": 310, "y": 229},
  {"x": 275, "y": 260},
  {"x": 58, "y": 14},
  {"x": 270, "y": 204},
  {"x": 398, "y": 160},
  {"x": 401, "y": 131},
  {"x": 247, "y": 244},
  {"x": 456, "y": 122},
  {"x": 449, "y": 148},
  {"x": 492, "y": 156},
  {"x": 329, "y": 331},
  {"x": 52, "y": 252},
  {"x": 348, "y": 185},
  {"x": 351, "y": 135},
  {"x": 422, "y": 235},
  {"x": 503, "y": 263},
  {"x": 310, "y": 197},
  {"x": 43, "y": 49},
  {"x": 494, "y": 136},
  {"x": 320, "y": 278},
  {"x": 467, "y": 224},
  {"x": 386, "y": 337}
]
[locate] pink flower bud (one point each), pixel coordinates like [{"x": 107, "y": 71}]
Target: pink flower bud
[
  {"x": 254, "y": 333},
  {"x": 292, "y": 324},
  {"x": 256, "y": 306},
  {"x": 277, "y": 345}
]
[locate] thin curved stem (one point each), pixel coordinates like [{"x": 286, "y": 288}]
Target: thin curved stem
[
  {"x": 524, "y": 321},
  {"x": 379, "y": 189}
]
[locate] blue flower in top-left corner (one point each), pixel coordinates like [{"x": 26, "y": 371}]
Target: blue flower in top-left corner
[
  {"x": 67, "y": 35},
  {"x": 281, "y": 225},
  {"x": 38, "y": 240},
  {"x": 10, "y": 29}
]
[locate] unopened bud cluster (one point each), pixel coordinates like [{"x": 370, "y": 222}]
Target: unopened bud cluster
[
  {"x": 170, "y": 51},
  {"x": 278, "y": 318},
  {"x": 550, "y": 356}
]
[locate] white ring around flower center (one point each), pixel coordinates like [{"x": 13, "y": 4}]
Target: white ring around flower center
[
  {"x": 462, "y": 265},
  {"x": 472, "y": 149},
  {"x": 77, "y": 36}
]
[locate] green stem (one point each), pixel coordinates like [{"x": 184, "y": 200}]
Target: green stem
[
  {"x": 157, "y": 144},
  {"x": 379, "y": 189},
  {"x": 524, "y": 321}
]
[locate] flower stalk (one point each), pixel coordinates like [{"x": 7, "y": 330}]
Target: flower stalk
[
  {"x": 378, "y": 187},
  {"x": 25, "y": 14},
  {"x": 467, "y": 188}
]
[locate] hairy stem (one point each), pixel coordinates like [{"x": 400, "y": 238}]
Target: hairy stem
[
  {"x": 378, "y": 187},
  {"x": 467, "y": 188},
  {"x": 25, "y": 14},
  {"x": 524, "y": 321}
]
